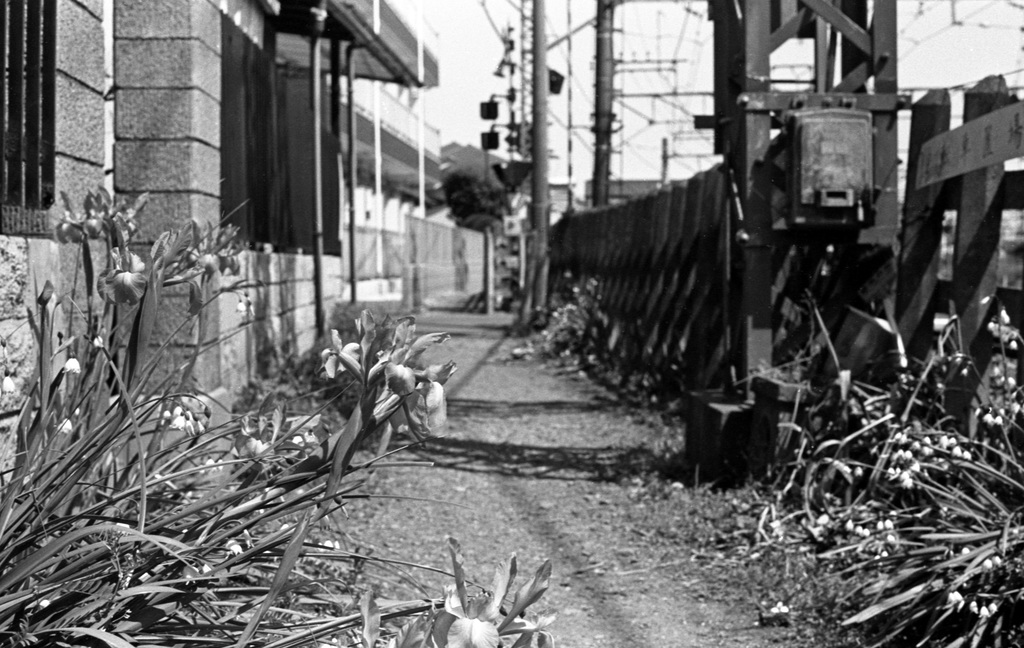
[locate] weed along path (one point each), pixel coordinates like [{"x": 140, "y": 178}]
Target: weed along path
[{"x": 549, "y": 466}]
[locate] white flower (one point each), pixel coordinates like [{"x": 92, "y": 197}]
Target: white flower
[
  {"x": 988, "y": 419},
  {"x": 965, "y": 455},
  {"x": 98, "y": 342},
  {"x": 965, "y": 551},
  {"x": 973, "y": 607},
  {"x": 285, "y": 526},
  {"x": 890, "y": 538},
  {"x": 72, "y": 366},
  {"x": 1004, "y": 317},
  {"x": 997, "y": 560},
  {"x": 65, "y": 426},
  {"x": 955, "y": 598},
  {"x": 998, "y": 421},
  {"x": 880, "y": 526},
  {"x": 987, "y": 565},
  {"x": 1011, "y": 382},
  {"x": 889, "y": 525},
  {"x": 8, "y": 386},
  {"x": 1012, "y": 346},
  {"x": 44, "y": 603},
  {"x": 957, "y": 452},
  {"x": 993, "y": 608},
  {"x": 849, "y": 525},
  {"x": 235, "y": 548}
]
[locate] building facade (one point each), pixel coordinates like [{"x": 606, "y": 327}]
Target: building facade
[{"x": 207, "y": 105}]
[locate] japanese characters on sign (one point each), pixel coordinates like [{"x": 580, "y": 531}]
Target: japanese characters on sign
[{"x": 991, "y": 139}]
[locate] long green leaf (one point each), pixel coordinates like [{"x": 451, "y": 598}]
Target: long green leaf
[
  {"x": 108, "y": 638},
  {"x": 883, "y": 606},
  {"x": 291, "y": 556}
]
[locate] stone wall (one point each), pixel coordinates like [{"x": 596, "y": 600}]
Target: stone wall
[
  {"x": 167, "y": 70},
  {"x": 27, "y": 263}
]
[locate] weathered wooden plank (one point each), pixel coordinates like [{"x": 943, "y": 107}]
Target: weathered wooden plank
[
  {"x": 675, "y": 252},
  {"x": 673, "y": 318},
  {"x": 976, "y": 253},
  {"x": 653, "y": 288},
  {"x": 979, "y": 143},
  {"x": 921, "y": 234}
]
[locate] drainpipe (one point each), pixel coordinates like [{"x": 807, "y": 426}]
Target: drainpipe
[
  {"x": 319, "y": 17},
  {"x": 350, "y": 73}
]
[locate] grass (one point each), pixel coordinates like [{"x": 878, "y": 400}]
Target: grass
[{"x": 895, "y": 524}]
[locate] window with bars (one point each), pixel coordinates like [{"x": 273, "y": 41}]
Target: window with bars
[{"x": 28, "y": 44}]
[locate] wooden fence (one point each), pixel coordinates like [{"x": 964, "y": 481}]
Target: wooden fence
[
  {"x": 667, "y": 296},
  {"x": 660, "y": 267},
  {"x": 983, "y": 261}
]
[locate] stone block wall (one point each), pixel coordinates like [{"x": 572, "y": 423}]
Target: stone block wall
[
  {"x": 167, "y": 70},
  {"x": 167, "y": 126},
  {"x": 27, "y": 263}
]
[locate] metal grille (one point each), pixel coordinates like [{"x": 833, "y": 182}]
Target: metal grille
[{"x": 28, "y": 44}]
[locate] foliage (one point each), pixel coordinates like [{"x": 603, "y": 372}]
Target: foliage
[
  {"x": 130, "y": 518},
  {"x": 569, "y": 333},
  {"x": 923, "y": 507},
  {"x": 468, "y": 196}
]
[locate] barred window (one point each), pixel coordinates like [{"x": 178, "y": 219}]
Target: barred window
[{"x": 28, "y": 43}]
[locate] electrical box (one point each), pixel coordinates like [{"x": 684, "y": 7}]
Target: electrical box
[{"x": 831, "y": 171}]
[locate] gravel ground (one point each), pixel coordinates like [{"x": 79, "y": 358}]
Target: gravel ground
[{"x": 538, "y": 463}]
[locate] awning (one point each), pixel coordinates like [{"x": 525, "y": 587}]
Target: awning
[{"x": 390, "y": 55}]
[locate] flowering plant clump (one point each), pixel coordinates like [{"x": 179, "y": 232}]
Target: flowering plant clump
[
  {"x": 130, "y": 517},
  {"x": 923, "y": 507},
  {"x": 488, "y": 619}
]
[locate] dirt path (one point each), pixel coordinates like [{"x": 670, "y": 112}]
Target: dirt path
[{"x": 539, "y": 463}]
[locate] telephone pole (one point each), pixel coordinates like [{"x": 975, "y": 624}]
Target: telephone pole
[
  {"x": 603, "y": 92},
  {"x": 539, "y": 152}
]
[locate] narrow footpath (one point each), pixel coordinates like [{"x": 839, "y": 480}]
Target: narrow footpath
[{"x": 538, "y": 462}]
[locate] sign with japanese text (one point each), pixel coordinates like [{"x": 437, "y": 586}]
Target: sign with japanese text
[{"x": 991, "y": 139}]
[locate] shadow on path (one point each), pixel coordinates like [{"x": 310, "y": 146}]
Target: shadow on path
[
  {"x": 505, "y": 408},
  {"x": 536, "y": 461}
]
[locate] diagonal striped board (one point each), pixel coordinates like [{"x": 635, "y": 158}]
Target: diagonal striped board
[{"x": 988, "y": 140}]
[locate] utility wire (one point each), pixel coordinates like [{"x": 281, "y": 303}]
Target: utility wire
[{"x": 490, "y": 19}]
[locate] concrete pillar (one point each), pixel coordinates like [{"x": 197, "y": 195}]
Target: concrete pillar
[
  {"x": 167, "y": 127},
  {"x": 167, "y": 71}
]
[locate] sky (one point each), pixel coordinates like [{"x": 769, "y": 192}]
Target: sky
[{"x": 942, "y": 43}]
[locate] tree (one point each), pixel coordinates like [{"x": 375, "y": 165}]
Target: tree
[{"x": 474, "y": 202}]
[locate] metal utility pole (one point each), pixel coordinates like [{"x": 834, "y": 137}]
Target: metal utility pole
[
  {"x": 603, "y": 92},
  {"x": 539, "y": 152},
  {"x": 353, "y": 175},
  {"x": 316, "y": 81},
  {"x": 568, "y": 98},
  {"x": 664, "y": 161}
]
